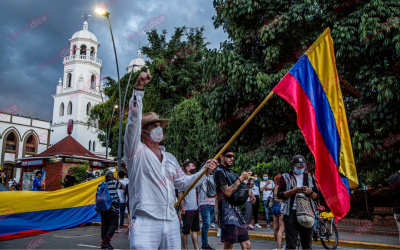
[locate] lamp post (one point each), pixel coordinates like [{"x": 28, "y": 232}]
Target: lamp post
[
  {"x": 109, "y": 130},
  {"x": 106, "y": 14}
]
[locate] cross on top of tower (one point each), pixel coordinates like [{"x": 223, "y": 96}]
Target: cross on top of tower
[{"x": 86, "y": 17}]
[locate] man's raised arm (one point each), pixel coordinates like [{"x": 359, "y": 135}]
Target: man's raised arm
[{"x": 133, "y": 129}]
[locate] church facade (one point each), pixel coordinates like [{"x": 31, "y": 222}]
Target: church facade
[{"x": 79, "y": 91}]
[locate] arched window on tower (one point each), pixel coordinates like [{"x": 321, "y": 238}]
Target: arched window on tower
[
  {"x": 92, "y": 81},
  {"x": 11, "y": 142},
  {"x": 74, "y": 50},
  {"x": 62, "y": 109},
  {"x": 92, "y": 51},
  {"x": 30, "y": 144},
  {"x": 94, "y": 146},
  {"x": 83, "y": 50},
  {"x": 90, "y": 145},
  {"x": 88, "y": 108},
  {"x": 69, "y": 109},
  {"x": 69, "y": 77}
]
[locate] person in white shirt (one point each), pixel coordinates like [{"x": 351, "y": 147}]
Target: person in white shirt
[
  {"x": 256, "y": 193},
  {"x": 122, "y": 178},
  {"x": 190, "y": 211},
  {"x": 266, "y": 187},
  {"x": 154, "y": 174}
]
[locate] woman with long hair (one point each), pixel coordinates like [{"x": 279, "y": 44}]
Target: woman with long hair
[{"x": 279, "y": 227}]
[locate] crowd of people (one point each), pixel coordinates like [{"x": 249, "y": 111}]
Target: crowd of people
[{"x": 157, "y": 181}]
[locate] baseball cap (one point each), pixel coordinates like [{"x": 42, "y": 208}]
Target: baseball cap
[{"x": 298, "y": 159}]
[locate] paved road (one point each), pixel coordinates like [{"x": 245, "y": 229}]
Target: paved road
[{"x": 89, "y": 238}]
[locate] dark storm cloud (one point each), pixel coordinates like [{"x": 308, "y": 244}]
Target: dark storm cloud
[{"x": 24, "y": 77}]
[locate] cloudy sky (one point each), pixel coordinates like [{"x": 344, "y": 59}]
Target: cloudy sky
[{"x": 24, "y": 79}]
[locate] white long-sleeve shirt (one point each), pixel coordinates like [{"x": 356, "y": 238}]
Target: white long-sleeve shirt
[{"x": 151, "y": 183}]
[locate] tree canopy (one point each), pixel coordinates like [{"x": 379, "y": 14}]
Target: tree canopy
[{"x": 266, "y": 38}]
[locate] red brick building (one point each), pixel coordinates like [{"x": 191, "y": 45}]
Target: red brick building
[{"x": 56, "y": 160}]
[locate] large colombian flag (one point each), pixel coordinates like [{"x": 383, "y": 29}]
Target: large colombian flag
[
  {"x": 26, "y": 213},
  {"x": 312, "y": 88}
]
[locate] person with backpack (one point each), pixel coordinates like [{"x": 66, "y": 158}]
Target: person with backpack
[
  {"x": 298, "y": 193},
  {"x": 232, "y": 192},
  {"x": 153, "y": 173},
  {"x": 207, "y": 194},
  {"x": 107, "y": 203}
]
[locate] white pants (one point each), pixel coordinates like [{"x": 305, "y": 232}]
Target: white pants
[{"x": 149, "y": 233}]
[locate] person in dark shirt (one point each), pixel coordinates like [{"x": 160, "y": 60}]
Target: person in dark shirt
[
  {"x": 231, "y": 221},
  {"x": 70, "y": 179},
  {"x": 109, "y": 218},
  {"x": 88, "y": 176},
  {"x": 394, "y": 181}
]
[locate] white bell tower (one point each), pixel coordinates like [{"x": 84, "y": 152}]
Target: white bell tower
[{"x": 78, "y": 92}]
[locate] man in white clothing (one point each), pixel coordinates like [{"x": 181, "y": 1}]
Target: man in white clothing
[{"x": 154, "y": 174}]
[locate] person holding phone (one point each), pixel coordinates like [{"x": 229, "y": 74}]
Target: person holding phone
[
  {"x": 266, "y": 187},
  {"x": 291, "y": 184}
]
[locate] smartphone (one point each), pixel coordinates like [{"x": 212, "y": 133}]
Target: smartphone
[
  {"x": 251, "y": 170},
  {"x": 304, "y": 187}
]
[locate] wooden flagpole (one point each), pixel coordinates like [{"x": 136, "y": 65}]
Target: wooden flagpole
[{"x": 227, "y": 144}]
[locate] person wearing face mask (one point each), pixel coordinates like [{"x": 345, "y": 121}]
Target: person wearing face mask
[
  {"x": 266, "y": 187},
  {"x": 292, "y": 185},
  {"x": 190, "y": 210},
  {"x": 256, "y": 193},
  {"x": 153, "y": 176}
]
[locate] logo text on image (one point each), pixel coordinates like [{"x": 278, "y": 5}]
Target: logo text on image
[
  {"x": 4, "y": 214},
  {"x": 268, "y": 142},
  {"x": 33, "y": 24},
  {"x": 238, "y": 114},
  {"x": 151, "y": 23},
  {"x": 391, "y": 140},
  {"x": 360, "y": 112},
  {"x": 35, "y": 243},
  {"x": 180, "y": 54},
  {"x": 87, "y": 86},
  {"x": 210, "y": 84},
  {"x": 8, "y": 110},
  {"x": 63, "y": 52}
]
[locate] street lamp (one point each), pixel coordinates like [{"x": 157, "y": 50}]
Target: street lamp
[
  {"x": 106, "y": 14},
  {"x": 109, "y": 130}
]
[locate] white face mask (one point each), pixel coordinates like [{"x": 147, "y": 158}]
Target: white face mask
[{"x": 156, "y": 134}]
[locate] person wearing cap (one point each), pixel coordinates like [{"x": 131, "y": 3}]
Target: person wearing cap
[
  {"x": 69, "y": 179},
  {"x": 37, "y": 182},
  {"x": 291, "y": 184},
  {"x": 153, "y": 174}
]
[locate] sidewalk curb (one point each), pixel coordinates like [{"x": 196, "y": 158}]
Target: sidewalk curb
[
  {"x": 355, "y": 244},
  {"x": 270, "y": 237}
]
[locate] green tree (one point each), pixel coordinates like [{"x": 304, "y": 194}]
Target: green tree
[
  {"x": 175, "y": 67},
  {"x": 266, "y": 40}
]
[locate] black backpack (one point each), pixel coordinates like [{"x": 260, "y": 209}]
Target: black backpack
[{"x": 240, "y": 196}]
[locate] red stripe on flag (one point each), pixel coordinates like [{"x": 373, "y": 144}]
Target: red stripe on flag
[{"x": 22, "y": 234}]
